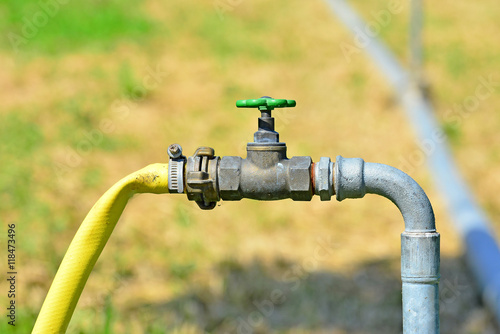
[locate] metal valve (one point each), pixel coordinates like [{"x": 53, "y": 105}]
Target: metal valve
[{"x": 266, "y": 173}]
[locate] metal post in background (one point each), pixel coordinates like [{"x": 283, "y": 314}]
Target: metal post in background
[{"x": 416, "y": 44}]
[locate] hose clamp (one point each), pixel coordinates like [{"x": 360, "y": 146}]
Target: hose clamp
[{"x": 176, "y": 169}]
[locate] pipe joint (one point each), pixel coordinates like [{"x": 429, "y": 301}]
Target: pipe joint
[
  {"x": 323, "y": 179},
  {"x": 349, "y": 178},
  {"x": 420, "y": 258}
]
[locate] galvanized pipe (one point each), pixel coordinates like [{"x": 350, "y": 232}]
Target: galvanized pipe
[{"x": 419, "y": 242}]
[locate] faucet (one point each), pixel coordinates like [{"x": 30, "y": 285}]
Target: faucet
[{"x": 265, "y": 174}]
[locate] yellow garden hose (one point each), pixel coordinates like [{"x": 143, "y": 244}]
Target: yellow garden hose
[{"x": 88, "y": 244}]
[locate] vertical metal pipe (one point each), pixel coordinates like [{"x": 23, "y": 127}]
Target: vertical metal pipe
[
  {"x": 419, "y": 242},
  {"x": 420, "y": 278}
]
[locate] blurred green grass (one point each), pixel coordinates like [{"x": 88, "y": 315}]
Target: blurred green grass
[
  {"x": 58, "y": 27},
  {"x": 169, "y": 267}
]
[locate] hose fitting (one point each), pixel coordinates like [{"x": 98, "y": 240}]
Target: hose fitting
[{"x": 201, "y": 178}]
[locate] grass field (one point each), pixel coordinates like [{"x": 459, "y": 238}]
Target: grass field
[{"x": 94, "y": 91}]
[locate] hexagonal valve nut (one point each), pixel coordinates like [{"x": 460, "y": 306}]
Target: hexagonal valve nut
[
  {"x": 323, "y": 178},
  {"x": 300, "y": 178},
  {"x": 229, "y": 178}
]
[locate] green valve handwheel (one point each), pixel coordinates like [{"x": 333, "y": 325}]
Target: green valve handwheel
[{"x": 266, "y": 103}]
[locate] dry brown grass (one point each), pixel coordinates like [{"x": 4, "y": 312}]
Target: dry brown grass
[{"x": 170, "y": 264}]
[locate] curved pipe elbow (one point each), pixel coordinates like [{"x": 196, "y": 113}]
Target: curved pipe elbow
[{"x": 354, "y": 178}]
